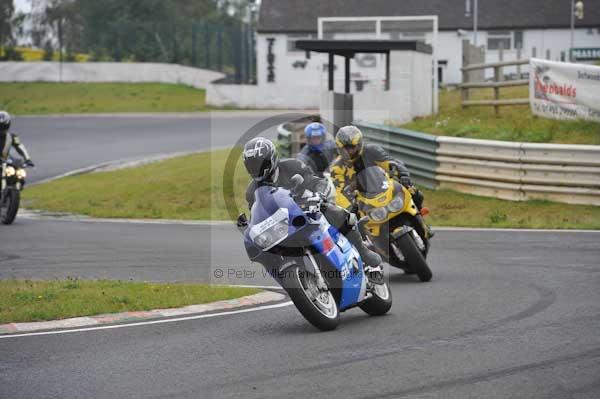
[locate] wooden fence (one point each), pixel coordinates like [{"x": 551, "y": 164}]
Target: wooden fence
[{"x": 497, "y": 83}]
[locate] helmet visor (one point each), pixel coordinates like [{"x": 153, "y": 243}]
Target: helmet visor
[
  {"x": 259, "y": 169},
  {"x": 315, "y": 140},
  {"x": 351, "y": 151}
]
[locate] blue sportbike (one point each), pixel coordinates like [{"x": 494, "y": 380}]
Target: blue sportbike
[{"x": 317, "y": 266}]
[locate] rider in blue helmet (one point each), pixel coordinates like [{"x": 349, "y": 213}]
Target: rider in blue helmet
[{"x": 319, "y": 150}]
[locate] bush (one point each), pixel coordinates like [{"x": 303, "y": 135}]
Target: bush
[{"x": 11, "y": 54}]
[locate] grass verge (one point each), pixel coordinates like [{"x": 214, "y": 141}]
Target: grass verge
[
  {"x": 453, "y": 209},
  {"x": 515, "y": 123},
  {"x": 192, "y": 188},
  {"x": 189, "y": 187},
  {"x": 27, "y": 301},
  {"x": 64, "y": 98}
]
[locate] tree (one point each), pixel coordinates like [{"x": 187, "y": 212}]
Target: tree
[
  {"x": 10, "y": 24},
  {"x": 7, "y": 11},
  {"x": 139, "y": 30}
]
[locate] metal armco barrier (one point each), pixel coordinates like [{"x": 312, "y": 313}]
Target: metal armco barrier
[
  {"x": 416, "y": 150},
  {"x": 507, "y": 170}
]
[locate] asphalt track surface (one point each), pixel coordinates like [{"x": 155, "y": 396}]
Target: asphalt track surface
[
  {"x": 508, "y": 314},
  {"x": 59, "y": 144}
]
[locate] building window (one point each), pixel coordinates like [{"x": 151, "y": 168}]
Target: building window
[
  {"x": 292, "y": 39},
  {"x": 518, "y": 39},
  {"x": 499, "y": 38}
]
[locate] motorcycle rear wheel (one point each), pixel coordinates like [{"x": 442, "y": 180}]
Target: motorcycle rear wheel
[
  {"x": 319, "y": 310},
  {"x": 10, "y": 206}
]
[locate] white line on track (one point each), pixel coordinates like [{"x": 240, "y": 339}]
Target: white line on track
[
  {"x": 264, "y": 287},
  {"x": 146, "y": 323}
]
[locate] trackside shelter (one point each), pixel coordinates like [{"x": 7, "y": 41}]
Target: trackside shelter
[{"x": 406, "y": 90}]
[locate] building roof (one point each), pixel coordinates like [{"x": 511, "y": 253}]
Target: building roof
[
  {"x": 287, "y": 16},
  {"x": 351, "y": 47}
]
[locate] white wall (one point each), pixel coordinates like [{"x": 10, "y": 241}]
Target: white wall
[
  {"x": 256, "y": 96},
  {"x": 410, "y": 93},
  {"x": 313, "y": 76},
  {"x": 106, "y": 72}
]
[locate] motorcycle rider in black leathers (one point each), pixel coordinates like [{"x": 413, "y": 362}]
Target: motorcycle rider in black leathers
[
  {"x": 9, "y": 140},
  {"x": 355, "y": 156},
  {"x": 264, "y": 166}
]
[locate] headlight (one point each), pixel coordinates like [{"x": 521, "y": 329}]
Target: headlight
[
  {"x": 21, "y": 174},
  {"x": 10, "y": 171},
  {"x": 271, "y": 231},
  {"x": 397, "y": 203},
  {"x": 272, "y": 236},
  {"x": 378, "y": 214}
]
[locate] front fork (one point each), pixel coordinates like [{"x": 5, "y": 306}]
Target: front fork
[
  {"x": 321, "y": 284},
  {"x": 3, "y": 183}
]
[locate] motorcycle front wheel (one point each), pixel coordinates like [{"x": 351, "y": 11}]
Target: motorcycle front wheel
[
  {"x": 414, "y": 258},
  {"x": 381, "y": 301},
  {"x": 10, "y": 206},
  {"x": 317, "y": 306}
]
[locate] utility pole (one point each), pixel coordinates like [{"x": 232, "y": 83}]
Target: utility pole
[
  {"x": 253, "y": 10},
  {"x": 59, "y": 23},
  {"x": 576, "y": 11},
  {"x": 475, "y": 16},
  {"x": 474, "y": 12},
  {"x": 572, "y": 30}
]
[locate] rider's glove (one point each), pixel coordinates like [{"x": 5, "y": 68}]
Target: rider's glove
[
  {"x": 311, "y": 202},
  {"x": 313, "y": 205},
  {"x": 29, "y": 163},
  {"x": 405, "y": 181}
]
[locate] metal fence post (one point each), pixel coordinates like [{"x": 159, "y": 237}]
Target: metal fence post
[{"x": 206, "y": 45}]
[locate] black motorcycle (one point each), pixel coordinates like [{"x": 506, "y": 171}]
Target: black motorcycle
[{"x": 13, "y": 181}]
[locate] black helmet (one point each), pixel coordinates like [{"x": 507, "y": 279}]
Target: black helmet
[
  {"x": 349, "y": 141},
  {"x": 4, "y": 121},
  {"x": 260, "y": 158}
]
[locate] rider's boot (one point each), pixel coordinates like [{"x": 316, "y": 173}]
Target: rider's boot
[
  {"x": 429, "y": 232},
  {"x": 372, "y": 260},
  {"x": 418, "y": 199}
]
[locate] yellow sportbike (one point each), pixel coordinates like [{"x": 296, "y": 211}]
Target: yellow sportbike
[{"x": 395, "y": 227}]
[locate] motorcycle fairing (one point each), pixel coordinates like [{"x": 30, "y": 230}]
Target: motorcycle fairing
[{"x": 319, "y": 234}]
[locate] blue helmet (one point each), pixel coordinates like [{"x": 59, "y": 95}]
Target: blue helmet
[{"x": 315, "y": 135}]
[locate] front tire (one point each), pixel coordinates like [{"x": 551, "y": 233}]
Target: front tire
[
  {"x": 381, "y": 301},
  {"x": 10, "y": 206},
  {"x": 414, "y": 258},
  {"x": 319, "y": 310}
]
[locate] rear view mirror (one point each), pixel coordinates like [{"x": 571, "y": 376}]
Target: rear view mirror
[{"x": 242, "y": 222}]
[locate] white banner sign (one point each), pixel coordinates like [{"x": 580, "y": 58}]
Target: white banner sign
[{"x": 561, "y": 90}]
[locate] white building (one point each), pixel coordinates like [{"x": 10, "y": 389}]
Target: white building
[{"x": 290, "y": 78}]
